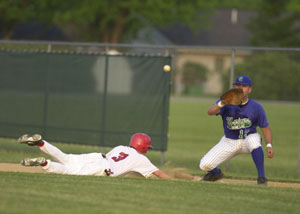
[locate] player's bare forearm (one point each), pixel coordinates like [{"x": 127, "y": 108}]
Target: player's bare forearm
[
  {"x": 161, "y": 174},
  {"x": 214, "y": 109},
  {"x": 268, "y": 138},
  {"x": 267, "y": 134}
]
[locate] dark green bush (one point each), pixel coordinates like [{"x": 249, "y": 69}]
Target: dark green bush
[{"x": 274, "y": 75}]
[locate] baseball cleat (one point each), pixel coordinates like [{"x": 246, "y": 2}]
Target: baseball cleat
[
  {"x": 30, "y": 140},
  {"x": 33, "y": 161},
  {"x": 262, "y": 181},
  {"x": 211, "y": 177}
]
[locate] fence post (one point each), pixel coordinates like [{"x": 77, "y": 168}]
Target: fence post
[
  {"x": 104, "y": 103},
  {"x": 232, "y": 68},
  {"x": 49, "y": 48},
  {"x": 46, "y": 94},
  {"x": 299, "y": 151}
]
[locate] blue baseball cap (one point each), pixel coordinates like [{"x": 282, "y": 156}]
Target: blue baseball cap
[{"x": 243, "y": 80}]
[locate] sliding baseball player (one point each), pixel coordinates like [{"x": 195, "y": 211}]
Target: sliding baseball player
[{"x": 119, "y": 161}]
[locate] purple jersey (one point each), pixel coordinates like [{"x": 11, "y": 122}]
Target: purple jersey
[{"x": 239, "y": 121}]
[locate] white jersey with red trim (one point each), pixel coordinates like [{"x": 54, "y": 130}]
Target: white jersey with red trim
[{"x": 124, "y": 159}]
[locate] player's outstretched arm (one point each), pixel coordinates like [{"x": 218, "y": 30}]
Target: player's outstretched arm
[
  {"x": 161, "y": 174},
  {"x": 214, "y": 109},
  {"x": 268, "y": 138}
]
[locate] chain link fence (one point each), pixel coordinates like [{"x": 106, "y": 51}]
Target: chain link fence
[
  {"x": 79, "y": 95},
  {"x": 202, "y": 71}
]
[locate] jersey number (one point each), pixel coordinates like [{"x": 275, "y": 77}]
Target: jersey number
[
  {"x": 121, "y": 156},
  {"x": 243, "y": 134}
]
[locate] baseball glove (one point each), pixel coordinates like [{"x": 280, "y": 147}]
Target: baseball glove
[{"x": 233, "y": 97}]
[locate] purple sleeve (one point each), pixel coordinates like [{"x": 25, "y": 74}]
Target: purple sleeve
[{"x": 262, "y": 118}]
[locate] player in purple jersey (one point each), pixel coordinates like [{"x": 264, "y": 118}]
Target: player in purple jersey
[{"x": 240, "y": 134}]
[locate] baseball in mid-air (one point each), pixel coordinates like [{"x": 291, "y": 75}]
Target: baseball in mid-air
[{"x": 167, "y": 68}]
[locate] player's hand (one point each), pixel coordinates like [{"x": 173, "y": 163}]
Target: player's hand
[
  {"x": 270, "y": 152},
  {"x": 196, "y": 178}
]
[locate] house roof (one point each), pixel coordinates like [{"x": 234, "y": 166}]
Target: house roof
[{"x": 227, "y": 28}]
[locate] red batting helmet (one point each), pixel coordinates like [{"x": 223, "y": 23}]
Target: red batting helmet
[{"x": 141, "y": 142}]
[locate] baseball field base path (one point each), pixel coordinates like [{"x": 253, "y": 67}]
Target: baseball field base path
[{"x": 176, "y": 173}]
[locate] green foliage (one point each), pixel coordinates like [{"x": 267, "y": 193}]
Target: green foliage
[
  {"x": 238, "y": 4},
  {"x": 275, "y": 76},
  {"x": 115, "y": 21},
  {"x": 194, "y": 73},
  {"x": 294, "y": 6},
  {"x": 104, "y": 21},
  {"x": 14, "y": 12},
  {"x": 275, "y": 26},
  {"x": 112, "y": 21}
]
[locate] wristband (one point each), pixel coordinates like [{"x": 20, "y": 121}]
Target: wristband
[
  {"x": 269, "y": 145},
  {"x": 220, "y": 104}
]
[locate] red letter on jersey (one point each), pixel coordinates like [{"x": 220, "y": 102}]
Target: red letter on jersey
[{"x": 122, "y": 156}]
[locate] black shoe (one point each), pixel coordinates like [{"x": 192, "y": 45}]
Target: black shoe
[
  {"x": 211, "y": 177},
  {"x": 262, "y": 181}
]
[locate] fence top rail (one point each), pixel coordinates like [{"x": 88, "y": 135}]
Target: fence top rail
[{"x": 146, "y": 45}]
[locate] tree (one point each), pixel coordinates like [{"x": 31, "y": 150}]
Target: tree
[
  {"x": 112, "y": 21},
  {"x": 275, "y": 76},
  {"x": 238, "y": 4},
  {"x": 108, "y": 21},
  {"x": 276, "y": 24},
  {"x": 194, "y": 75},
  {"x": 13, "y": 13}
]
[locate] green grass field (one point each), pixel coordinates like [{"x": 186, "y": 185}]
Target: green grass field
[
  {"x": 42, "y": 193},
  {"x": 191, "y": 134}
]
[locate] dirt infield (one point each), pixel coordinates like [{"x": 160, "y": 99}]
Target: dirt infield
[
  {"x": 178, "y": 173},
  {"x": 12, "y": 167}
]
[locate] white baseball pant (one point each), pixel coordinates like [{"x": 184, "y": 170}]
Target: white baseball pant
[
  {"x": 73, "y": 164},
  {"x": 228, "y": 148}
]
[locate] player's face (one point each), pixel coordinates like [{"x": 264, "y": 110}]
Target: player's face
[{"x": 246, "y": 89}]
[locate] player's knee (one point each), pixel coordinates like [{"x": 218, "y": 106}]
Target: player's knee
[
  {"x": 205, "y": 166},
  {"x": 252, "y": 148},
  {"x": 253, "y": 141},
  {"x": 255, "y": 148}
]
